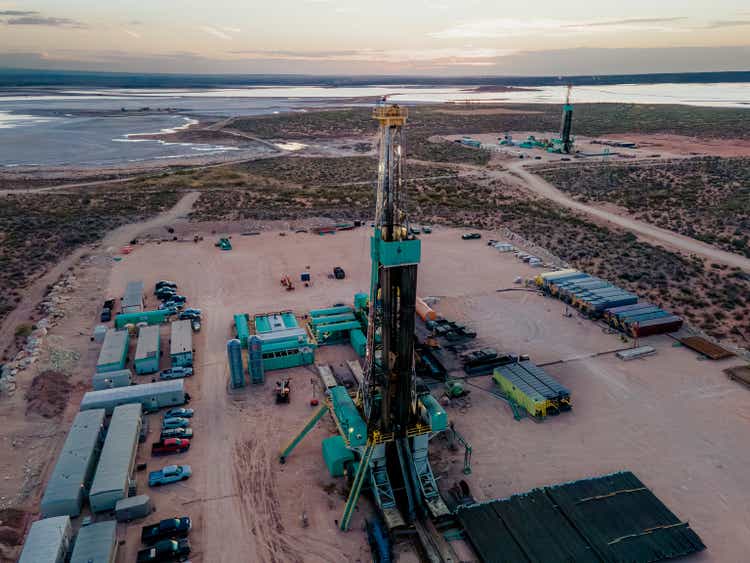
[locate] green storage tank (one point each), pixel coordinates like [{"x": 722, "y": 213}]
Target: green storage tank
[
  {"x": 348, "y": 416},
  {"x": 242, "y": 328},
  {"x": 336, "y": 455},
  {"x": 330, "y": 311},
  {"x": 434, "y": 413},
  {"x": 358, "y": 341}
]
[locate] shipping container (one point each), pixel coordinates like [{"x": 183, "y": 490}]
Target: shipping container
[
  {"x": 114, "y": 352},
  {"x": 616, "y": 311},
  {"x": 520, "y": 392},
  {"x": 112, "y": 379},
  {"x": 148, "y": 350},
  {"x": 48, "y": 541},
  {"x": 158, "y": 316},
  {"x": 181, "y": 344},
  {"x": 117, "y": 460},
  {"x": 662, "y": 325},
  {"x": 152, "y": 396},
  {"x": 132, "y": 508},
  {"x": 630, "y": 321}
]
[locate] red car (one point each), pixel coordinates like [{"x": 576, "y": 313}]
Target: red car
[{"x": 170, "y": 446}]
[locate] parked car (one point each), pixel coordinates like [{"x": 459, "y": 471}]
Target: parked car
[
  {"x": 193, "y": 311},
  {"x": 471, "y": 236},
  {"x": 166, "y": 294},
  {"x": 169, "y": 474},
  {"x": 179, "y": 299},
  {"x": 164, "y": 283},
  {"x": 186, "y": 314},
  {"x": 106, "y": 315},
  {"x": 167, "y": 433},
  {"x": 338, "y": 273},
  {"x": 170, "y": 528},
  {"x": 170, "y": 446},
  {"x": 196, "y": 324},
  {"x": 175, "y": 373},
  {"x": 179, "y": 411},
  {"x": 426, "y": 229},
  {"x": 109, "y": 304},
  {"x": 172, "y": 305},
  {"x": 165, "y": 550},
  {"x": 175, "y": 422}
]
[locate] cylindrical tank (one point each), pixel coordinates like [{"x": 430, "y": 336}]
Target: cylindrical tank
[
  {"x": 424, "y": 311},
  {"x": 236, "y": 373},
  {"x": 255, "y": 360}
]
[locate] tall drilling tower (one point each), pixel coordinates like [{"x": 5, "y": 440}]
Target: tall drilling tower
[
  {"x": 567, "y": 123},
  {"x": 388, "y": 424}
]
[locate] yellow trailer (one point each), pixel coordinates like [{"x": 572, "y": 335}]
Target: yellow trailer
[{"x": 517, "y": 390}]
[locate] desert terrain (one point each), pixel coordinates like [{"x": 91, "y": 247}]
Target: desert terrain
[
  {"x": 674, "y": 420},
  {"x": 654, "y": 416}
]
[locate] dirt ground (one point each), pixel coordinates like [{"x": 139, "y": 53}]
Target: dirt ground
[
  {"x": 677, "y": 422},
  {"x": 659, "y": 417}
]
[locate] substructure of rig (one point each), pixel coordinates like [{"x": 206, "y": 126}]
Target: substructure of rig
[{"x": 385, "y": 429}]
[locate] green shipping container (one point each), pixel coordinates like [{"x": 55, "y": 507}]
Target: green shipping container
[{"x": 156, "y": 317}]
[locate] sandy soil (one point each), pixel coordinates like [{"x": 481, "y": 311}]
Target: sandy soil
[
  {"x": 692, "y": 146},
  {"x": 679, "y": 423},
  {"x": 486, "y": 111},
  {"x": 664, "y": 405}
]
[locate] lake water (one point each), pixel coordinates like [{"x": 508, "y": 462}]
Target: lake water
[{"x": 61, "y": 127}]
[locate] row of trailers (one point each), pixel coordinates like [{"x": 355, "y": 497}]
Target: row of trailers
[{"x": 600, "y": 299}]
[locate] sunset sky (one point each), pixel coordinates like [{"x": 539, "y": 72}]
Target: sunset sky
[{"x": 441, "y": 37}]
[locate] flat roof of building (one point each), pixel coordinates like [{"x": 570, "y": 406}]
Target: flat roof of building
[
  {"x": 148, "y": 342},
  {"x": 135, "y": 392},
  {"x": 69, "y": 474},
  {"x": 113, "y": 470},
  {"x": 95, "y": 542},
  {"x": 133, "y": 295},
  {"x": 113, "y": 347},
  {"x": 47, "y": 538},
  {"x": 182, "y": 337}
]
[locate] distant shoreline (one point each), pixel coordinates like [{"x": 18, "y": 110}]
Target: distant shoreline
[{"x": 19, "y": 78}]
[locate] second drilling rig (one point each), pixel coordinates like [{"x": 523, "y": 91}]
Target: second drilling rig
[{"x": 386, "y": 427}]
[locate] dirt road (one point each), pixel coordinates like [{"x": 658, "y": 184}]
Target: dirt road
[
  {"x": 34, "y": 294},
  {"x": 643, "y": 230}
]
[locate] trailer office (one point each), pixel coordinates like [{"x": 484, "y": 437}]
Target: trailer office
[
  {"x": 68, "y": 485},
  {"x": 152, "y": 396},
  {"x": 132, "y": 301},
  {"x": 114, "y": 352},
  {"x": 181, "y": 343},
  {"x": 148, "y": 350},
  {"x": 48, "y": 541},
  {"x": 112, "y": 478}
]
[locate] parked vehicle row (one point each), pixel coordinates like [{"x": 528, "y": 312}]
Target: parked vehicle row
[{"x": 167, "y": 540}]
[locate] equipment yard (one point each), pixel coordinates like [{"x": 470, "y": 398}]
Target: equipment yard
[{"x": 656, "y": 417}]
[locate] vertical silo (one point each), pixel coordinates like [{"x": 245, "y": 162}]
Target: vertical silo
[
  {"x": 255, "y": 360},
  {"x": 236, "y": 374}
]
